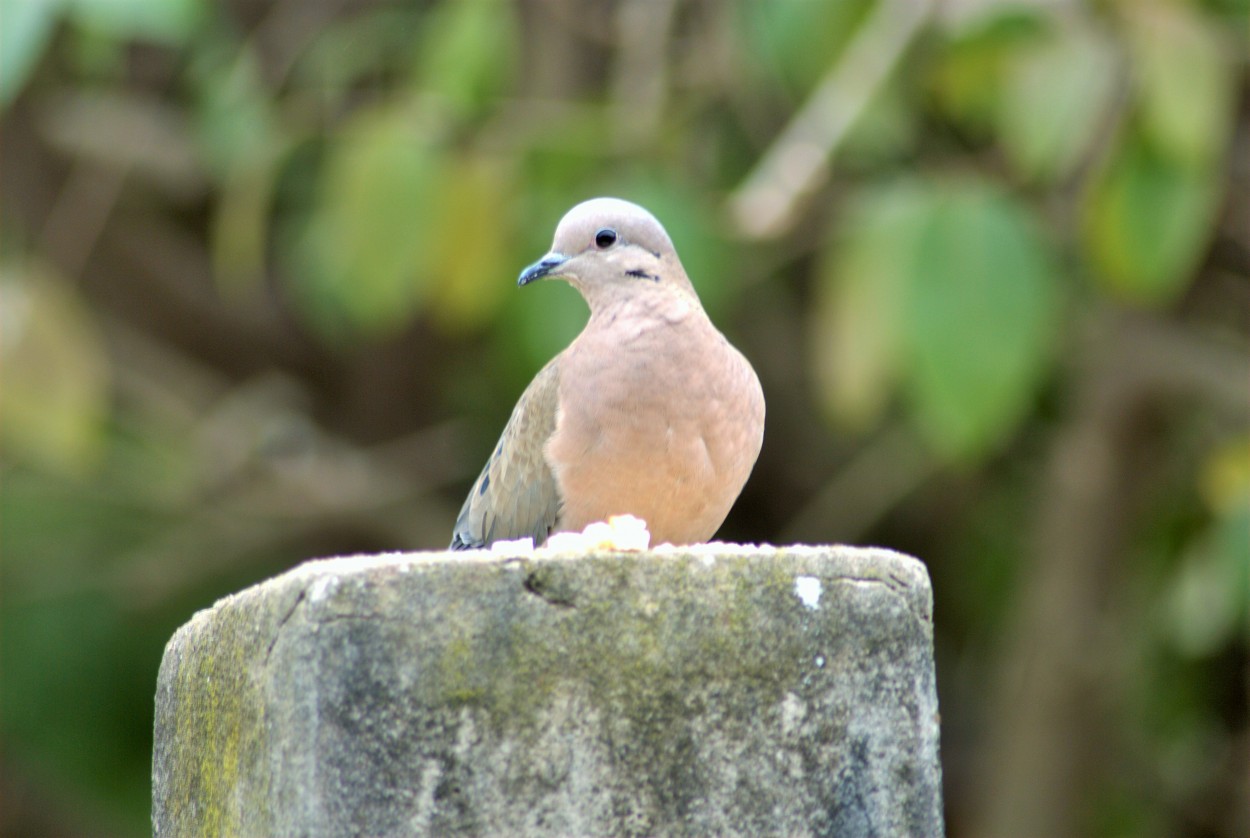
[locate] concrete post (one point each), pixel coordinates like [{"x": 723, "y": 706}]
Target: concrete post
[{"x": 713, "y": 690}]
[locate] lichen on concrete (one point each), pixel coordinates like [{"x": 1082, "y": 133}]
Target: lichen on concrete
[
  {"x": 693, "y": 691},
  {"x": 209, "y": 701}
]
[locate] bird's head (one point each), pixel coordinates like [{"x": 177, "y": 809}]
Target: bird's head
[{"x": 606, "y": 247}]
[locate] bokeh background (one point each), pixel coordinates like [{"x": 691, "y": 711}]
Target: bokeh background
[{"x": 991, "y": 260}]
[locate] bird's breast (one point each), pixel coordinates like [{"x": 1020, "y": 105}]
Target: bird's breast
[{"x": 661, "y": 425}]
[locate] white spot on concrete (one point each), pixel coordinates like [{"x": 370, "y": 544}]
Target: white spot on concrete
[
  {"x": 322, "y": 588},
  {"x": 808, "y": 589},
  {"x": 793, "y": 711}
]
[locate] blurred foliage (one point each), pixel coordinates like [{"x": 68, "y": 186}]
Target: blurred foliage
[
  {"x": 916, "y": 263},
  {"x": 257, "y": 265}
]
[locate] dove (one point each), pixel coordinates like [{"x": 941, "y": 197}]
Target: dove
[{"x": 649, "y": 412}]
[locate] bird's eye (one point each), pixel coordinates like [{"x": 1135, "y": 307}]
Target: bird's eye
[{"x": 605, "y": 238}]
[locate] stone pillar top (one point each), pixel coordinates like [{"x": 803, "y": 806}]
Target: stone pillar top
[{"x": 717, "y": 689}]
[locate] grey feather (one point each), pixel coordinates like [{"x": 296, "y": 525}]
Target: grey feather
[{"x": 516, "y": 494}]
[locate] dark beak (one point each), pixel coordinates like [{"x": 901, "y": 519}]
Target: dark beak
[{"x": 543, "y": 267}]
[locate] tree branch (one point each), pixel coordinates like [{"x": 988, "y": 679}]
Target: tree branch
[{"x": 796, "y": 165}]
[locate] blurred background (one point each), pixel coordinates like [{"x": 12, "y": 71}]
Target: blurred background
[{"x": 991, "y": 260}]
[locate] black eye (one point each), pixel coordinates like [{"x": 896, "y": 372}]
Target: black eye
[{"x": 605, "y": 238}]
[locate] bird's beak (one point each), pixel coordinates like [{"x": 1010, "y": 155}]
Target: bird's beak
[{"x": 543, "y": 267}]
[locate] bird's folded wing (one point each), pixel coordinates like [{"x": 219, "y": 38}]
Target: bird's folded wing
[{"x": 516, "y": 494}]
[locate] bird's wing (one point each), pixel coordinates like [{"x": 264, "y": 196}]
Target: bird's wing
[{"x": 516, "y": 495}]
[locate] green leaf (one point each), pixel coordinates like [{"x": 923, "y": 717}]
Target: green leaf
[
  {"x": 1052, "y": 98},
  {"x": 1208, "y": 601},
  {"x": 948, "y": 290},
  {"x": 858, "y": 320},
  {"x": 25, "y": 26},
  {"x": 245, "y": 147},
  {"x": 981, "y": 311},
  {"x": 473, "y": 259},
  {"x": 1147, "y": 222},
  {"x": 234, "y": 120},
  {"x": 886, "y": 132},
  {"x": 798, "y": 40},
  {"x": 170, "y": 21},
  {"x": 467, "y": 51},
  {"x": 1225, "y": 481},
  {"x": 1186, "y": 83},
  {"x": 968, "y": 74},
  {"x": 334, "y": 62},
  {"x": 363, "y": 264},
  {"x": 240, "y": 228},
  {"x": 56, "y": 374}
]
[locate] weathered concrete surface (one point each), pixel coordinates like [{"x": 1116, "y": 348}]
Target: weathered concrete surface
[{"x": 719, "y": 690}]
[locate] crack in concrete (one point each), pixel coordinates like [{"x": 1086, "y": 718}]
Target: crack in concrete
[
  {"x": 286, "y": 618},
  {"x": 898, "y": 585},
  {"x": 535, "y": 585}
]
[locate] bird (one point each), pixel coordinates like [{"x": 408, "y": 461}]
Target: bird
[{"x": 649, "y": 412}]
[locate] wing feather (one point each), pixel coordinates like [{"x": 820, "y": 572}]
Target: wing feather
[{"x": 516, "y": 494}]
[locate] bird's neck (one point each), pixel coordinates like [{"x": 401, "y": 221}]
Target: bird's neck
[{"x": 652, "y": 302}]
